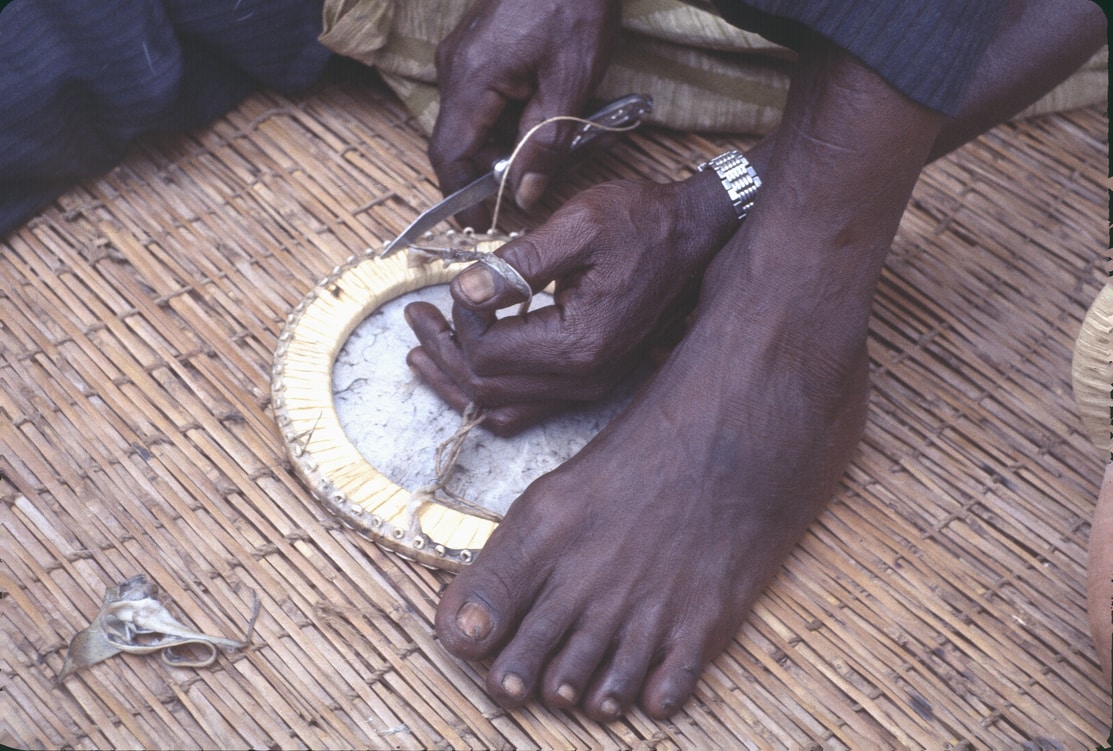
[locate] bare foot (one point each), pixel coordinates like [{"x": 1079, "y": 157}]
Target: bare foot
[{"x": 616, "y": 578}]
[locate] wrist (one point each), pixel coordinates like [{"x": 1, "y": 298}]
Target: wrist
[
  {"x": 704, "y": 219},
  {"x": 738, "y": 178}
]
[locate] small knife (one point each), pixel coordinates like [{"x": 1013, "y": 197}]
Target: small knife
[{"x": 621, "y": 113}]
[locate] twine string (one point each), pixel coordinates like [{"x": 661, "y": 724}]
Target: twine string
[
  {"x": 445, "y": 465},
  {"x": 529, "y": 134}
]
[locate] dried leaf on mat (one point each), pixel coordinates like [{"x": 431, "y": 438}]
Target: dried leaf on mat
[{"x": 131, "y": 620}]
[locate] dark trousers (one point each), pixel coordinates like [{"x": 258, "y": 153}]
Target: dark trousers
[{"x": 80, "y": 79}]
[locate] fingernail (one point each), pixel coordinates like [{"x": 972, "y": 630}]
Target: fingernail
[
  {"x": 477, "y": 284},
  {"x": 566, "y": 692},
  {"x": 513, "y": 684},
  {"x": 474, "y": 621},
  {"x": 609, "y": 707},
  {"x": 531, "y": 188}
]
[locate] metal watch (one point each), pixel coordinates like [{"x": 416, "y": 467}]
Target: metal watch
[{"x": 739, "y": 179}]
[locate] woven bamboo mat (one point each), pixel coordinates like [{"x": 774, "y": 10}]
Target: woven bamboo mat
[{"x": 938, "y": 601}]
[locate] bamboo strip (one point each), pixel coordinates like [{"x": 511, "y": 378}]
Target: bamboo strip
[{"x": 938, "y": 600}]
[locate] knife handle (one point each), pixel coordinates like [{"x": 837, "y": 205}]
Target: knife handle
[
  {"x": 621, "y": 113},
  {"x": 624, "y": 112}
]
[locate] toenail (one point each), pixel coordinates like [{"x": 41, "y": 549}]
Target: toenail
[
  {"x": 474, "y": 621},
  {"x": 513, "y": 684},
  {"x": 566, "y": 692},
  {"x": 609, "y": 707}
]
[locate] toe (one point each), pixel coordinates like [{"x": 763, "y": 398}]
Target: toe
[
  {"x": 617, "y": 685},
  {"x": 471, "y": 628},
  {"x": 670, "y": 684},
  {"x": 569, "y": 671},
  {"x": 480, "y": 610},
  {"x": 513, "y": 677}
]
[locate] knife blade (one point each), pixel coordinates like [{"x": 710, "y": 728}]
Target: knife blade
[{"x": 624, "y": 112}]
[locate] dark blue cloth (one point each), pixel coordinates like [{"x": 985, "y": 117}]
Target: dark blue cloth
[
  {"x": 81, "y": 79},
  {"x": 926, "y": 49}
]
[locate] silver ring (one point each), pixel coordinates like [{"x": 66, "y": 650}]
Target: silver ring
[{"x": 512, "y": 276}]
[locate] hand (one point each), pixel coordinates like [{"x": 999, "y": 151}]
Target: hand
[
  {"x": 545, "y": 54},
  {"x": 621, "y": 255}
]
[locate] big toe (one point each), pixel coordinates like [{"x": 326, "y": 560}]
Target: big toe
[
  {"x": 472, "y": 621},
  {"x": 482, "y": 607}
]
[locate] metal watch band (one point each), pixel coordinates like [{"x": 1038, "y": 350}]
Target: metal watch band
[{"x": 739, "y": 179}]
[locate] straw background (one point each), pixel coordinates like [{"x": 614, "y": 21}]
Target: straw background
[{"x": 938, "y": 602}]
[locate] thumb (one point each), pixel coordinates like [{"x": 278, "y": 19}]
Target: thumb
[
  {"x": 546, "y": 149},
  {"x": 488, "y": 286}
]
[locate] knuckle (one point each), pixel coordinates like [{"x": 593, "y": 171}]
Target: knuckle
[
  {"x": 600, "y": 207},
  {"x": 585, "y": 211},
  {"x": 524, "y": 255}
]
